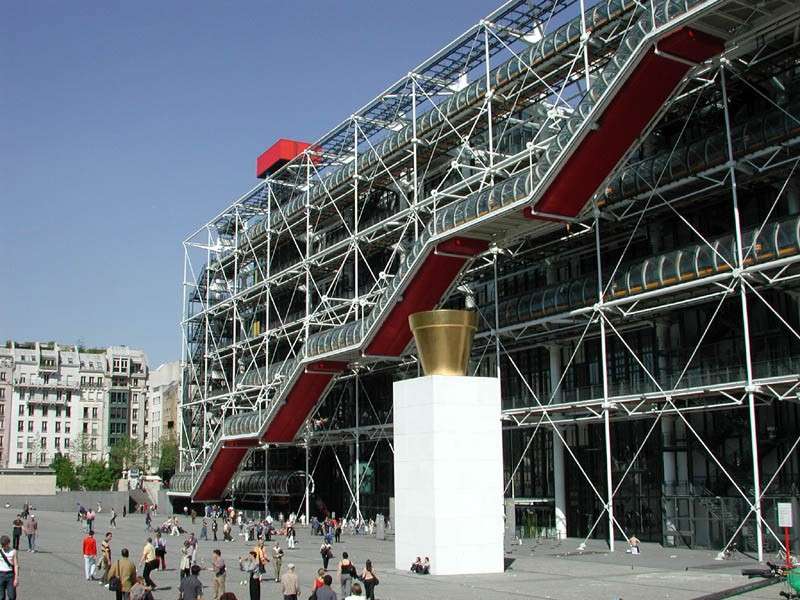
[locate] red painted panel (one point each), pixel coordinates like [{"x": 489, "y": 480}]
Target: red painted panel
[
  {"x": 303, "y": 396},
  {"x": 216, "y": 479},
  {"x": 626, "y": 116},
  {"x": 423, "y": 293},
  {"x": 278, "y": 155}
]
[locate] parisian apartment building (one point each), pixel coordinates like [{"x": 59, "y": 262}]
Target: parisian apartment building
[
  {"x": 163, "y": 400},
  {"x": 63, "y": 399}
]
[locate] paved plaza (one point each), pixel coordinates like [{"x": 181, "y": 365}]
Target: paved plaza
[{"x": 546, "y": 570}]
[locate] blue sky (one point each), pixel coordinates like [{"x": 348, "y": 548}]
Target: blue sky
[{"x": 124, "y": 126}]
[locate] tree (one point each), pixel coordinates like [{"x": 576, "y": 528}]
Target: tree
[
  {"x": 168, "y": 460},
  {"x": 127, "y": 453},
  {"x": 66, "y": 477},
  {"x": 81, "y": 448},
  {"x": 95, "y": 476}
]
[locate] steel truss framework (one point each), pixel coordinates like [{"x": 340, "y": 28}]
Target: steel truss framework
[{"x": 295, "y": 269}]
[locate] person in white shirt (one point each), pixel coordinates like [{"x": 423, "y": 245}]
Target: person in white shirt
[{"x": 9, "y": 569}]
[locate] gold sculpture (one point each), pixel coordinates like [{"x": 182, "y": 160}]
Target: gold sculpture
[{"x": 444, "y": 339}]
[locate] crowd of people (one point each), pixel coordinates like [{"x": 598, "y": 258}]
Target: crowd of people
[{"x": 132, "y": 579}]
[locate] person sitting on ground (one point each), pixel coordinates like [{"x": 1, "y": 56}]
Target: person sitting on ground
[
  {"x": 355, "y": 592},
  {"x": 416, "y": 566},
  {"x": 426, "y": 566},
  {"x": 633, "y": 542}
]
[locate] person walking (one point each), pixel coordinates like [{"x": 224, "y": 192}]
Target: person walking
[
  {"x": 149, "y": 562},
  {"x": 355, "y": 592},
  {"x": 31, "y": 528},
  {"x": 290, "y": 584},
  {"x": 319, "y": 580},
  {"x": 214, "y": 526},
  {"x": 261, "y": 555},
  {"x": 191, "y": 588},
  {"x": 16, "y": 532},
  {"x": 192, "y": 541},
  {"x": 250, "y": 566},
  {"x": 204, "y": 530},
  {"x": 186, "y": 560},
  {"x": 113, "y": 522},
  {"x": 90, "y": 520},
  {"x": 148, "y": 519},
  {"x": 194, "y": 515},
  {"x": 9, "y": 570},
  {"x": 161, "y": 551},
  {"x": 89, "y": 554},
  {"x": 105, "y": 557},
  {"x": 370, "y": 580},
  {"x": 324, "y": 592},
  {"x": 290, "y": 535},
  {"x": 218, "y": 569},
  {"x": 326, "y": 552},
  {"x": 140, "y": 591},
  {"x": 277, "y": 560},
  {"x": 346, "y": 573},
  {"x": 124, "y": 570}
]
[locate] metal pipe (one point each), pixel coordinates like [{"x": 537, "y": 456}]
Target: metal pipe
[{"x": 745, "y": 323}]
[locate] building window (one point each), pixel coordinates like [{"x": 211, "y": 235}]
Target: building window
[
  {"x": 69, "y": 408},
  {"x": 43, "y": 443},
  {"x": 2, "y": 409},
  {"x": 58, "y": 443},
  {"x": 58, "y": 411},
  {"x": 135, "y": 414},
  {"x": 85, "y": 412},
  {"x": 30, "y": 410},
  {"x": 2, "y": 375},
  {"x": 66, "y": 442},
  {"x": 133, "y": 429},
  {"x": 2, "y": 392},
  {"x": 19, "y": 457},
  {"x": 85, "y": 428},
  {"x": 93, "y": 445},
  {"x": 69, "y": 397},
  {"x": 28, "y": 457},
  {"x": 21, "y": 410},
  {"x": 44, "y": 426},
  {"x": 83, "y": 379},
  {"x": 44, "y": 411},
  {"x": 30, "y": 425},
  {"x": 21, "y": 426},
  {"x": 94, "y": 412},
  {"x": 67, "y": 427},
  {"x": 58, "y": 426}
]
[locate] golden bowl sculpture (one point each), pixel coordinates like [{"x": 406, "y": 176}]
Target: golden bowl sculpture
[{"x": 444, "y": 339}]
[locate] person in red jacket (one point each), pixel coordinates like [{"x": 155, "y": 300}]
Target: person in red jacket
[{"x": 89, "y": 556}]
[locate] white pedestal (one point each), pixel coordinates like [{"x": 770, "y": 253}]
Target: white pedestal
[{"x": 448, "y": 474}]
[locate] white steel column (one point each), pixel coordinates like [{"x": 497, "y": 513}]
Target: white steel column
[
  {"x": 308, "y": 489},
  {"x": 604, "y": 373},
  {"x": 751, "y": 402},
  {"x": 358, "y": 454},
  {"x": 266, "y": 480},
  {"x": 559, "y": 477}
]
